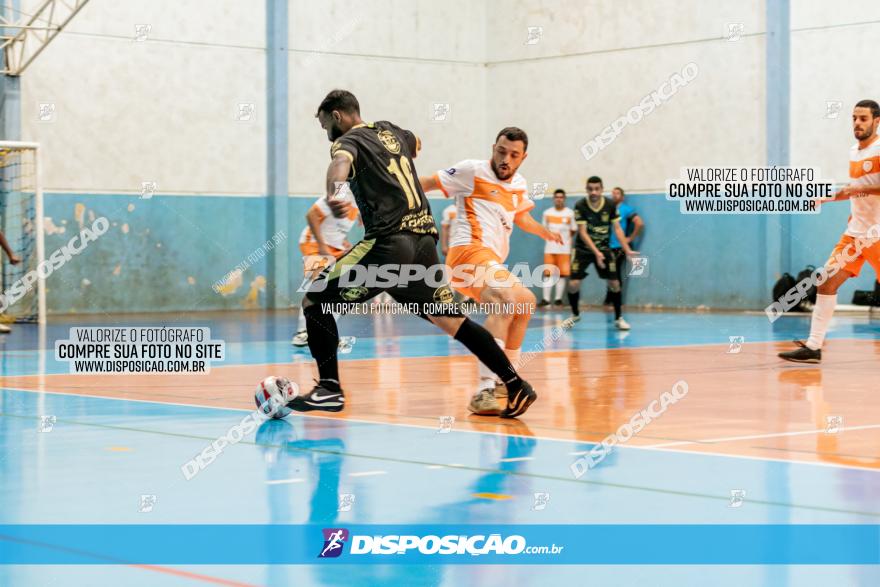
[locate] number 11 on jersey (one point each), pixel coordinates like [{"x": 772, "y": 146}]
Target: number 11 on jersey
[{"x": 405, "y": 178}]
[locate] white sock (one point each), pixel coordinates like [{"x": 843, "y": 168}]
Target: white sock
[
  {"x": 513, "y": 356},
  {"x": 487, "y": 376},
  {"x": 560, "y": 288},
  {"x": 301, "y": 323},
  {"x": 547, "y": 287},
  {"x": 822, "y": 312}
]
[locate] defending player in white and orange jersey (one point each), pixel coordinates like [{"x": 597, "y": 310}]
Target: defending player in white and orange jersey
[
  {"x": 859, "y": 242},
  {"x": 558, "y": 219},
  {"x": 449, "y": 214},
  {"x": 490, "y": 197},
  {"x": 324, "y": 238}
]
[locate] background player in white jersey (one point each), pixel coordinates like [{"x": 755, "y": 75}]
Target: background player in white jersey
[
  {"x": 324, "y": 239},
  {"x": 859, "y": 242},
  {"x": 449, "y": 214},
  {"x": 490, "y": 197},
  {"x": 558, "y": 219},
  {"x": 10, "y": 254}
]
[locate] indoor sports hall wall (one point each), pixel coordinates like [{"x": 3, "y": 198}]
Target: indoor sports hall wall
[
  {"x": 200, "y": 61},
  {"x": 167, "y": 110},
  {"x": 593, "y": 63},
  {"x": 823, "y": 94}
]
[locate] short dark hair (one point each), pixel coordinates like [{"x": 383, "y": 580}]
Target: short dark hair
[
  {"x": 875, "y": 108},
  {"x": 559, "y": 191},
  {"x": 622, "y": 193},
  {"x": 595, "y": 179},
  {"x": 341, "y": 100},
  {"x": 512, "y": 133}
]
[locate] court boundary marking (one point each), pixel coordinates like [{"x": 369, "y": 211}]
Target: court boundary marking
[
  {"x": 478, "y": 469},
  {"x": 424, "y": 427}
]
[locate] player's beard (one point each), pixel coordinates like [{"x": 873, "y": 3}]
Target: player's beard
[
  {"x": 500, "y": 174},
  {"x": 334, "y": 132},
  {"x": 865, "y": 135}
]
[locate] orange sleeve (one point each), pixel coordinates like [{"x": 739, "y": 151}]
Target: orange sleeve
[{"x": 440, "y": 185}]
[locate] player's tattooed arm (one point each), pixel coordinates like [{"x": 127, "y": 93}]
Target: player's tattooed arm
[
  {"x": 621, "y": 238},
  {"x": 525, "y": 221},
  {"x": 337, "y": 174}
]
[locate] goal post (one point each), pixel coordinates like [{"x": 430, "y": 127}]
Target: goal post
[{"x": 21, "y": 221}]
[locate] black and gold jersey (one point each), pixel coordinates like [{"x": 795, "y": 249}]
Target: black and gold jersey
[
  {"x": 384, "y": 181},
  {"x": 597, "y": 222}
]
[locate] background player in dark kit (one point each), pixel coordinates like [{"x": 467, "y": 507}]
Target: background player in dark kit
[{"x": 596, "y": 216}]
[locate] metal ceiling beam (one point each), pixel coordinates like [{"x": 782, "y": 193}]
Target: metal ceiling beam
[{"x": 34, "y": 32}]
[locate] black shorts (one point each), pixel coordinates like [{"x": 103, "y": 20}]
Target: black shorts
[
  {"x": 620, "y": 261},
  {"x": 581, "y": 261},
  {"x": 376, "y": 265}
]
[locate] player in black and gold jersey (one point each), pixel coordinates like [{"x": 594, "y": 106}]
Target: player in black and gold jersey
[
  {"x": 596, "y": 216},
  {"x": 376, "y": 161}
]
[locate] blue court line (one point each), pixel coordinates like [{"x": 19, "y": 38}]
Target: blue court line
[
  {"x": 593, "y": 332},
  {"x": 180, "y": 433}
]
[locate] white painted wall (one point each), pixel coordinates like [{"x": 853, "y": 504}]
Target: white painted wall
[
  {"x": 399, "y": 58},
  {"x": 162, "y": 110},
  {"x": 597, "y": 59},
  {"x": 831, "y": 55}
]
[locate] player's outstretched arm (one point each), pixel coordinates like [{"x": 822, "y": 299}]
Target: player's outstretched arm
[
  {"x": 525, "y": 221},
  {"x": 337, "y": 175},
  {"x": 621, "y": 238},
  {"x": 582, "y": 232},
  {"x": 638, "y": 227},
  {"x": 429, "y": 183}
]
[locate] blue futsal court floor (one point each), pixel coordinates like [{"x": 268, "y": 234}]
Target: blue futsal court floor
[{"x": 118, "y": 462}]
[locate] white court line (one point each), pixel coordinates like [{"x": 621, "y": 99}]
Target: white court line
[
  {"x": 367, "y": 473},
  {"x": 433, "y": 428},
  {"x": 758, "y": 436},
  {"x": 516, "y": 459},
  {"x": 443, "y": 466},
  {"x": 284, "y": 481}
]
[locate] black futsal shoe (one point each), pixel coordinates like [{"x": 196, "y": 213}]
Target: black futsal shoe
[
  {"x": 802, "y": 354},
  {"x": 325, "y": 397},
  {"x": 518, "y": 401}
]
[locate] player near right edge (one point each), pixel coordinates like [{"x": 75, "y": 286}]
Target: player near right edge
[{"x": 863, "y": 192}]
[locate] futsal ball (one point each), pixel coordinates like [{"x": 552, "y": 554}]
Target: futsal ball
[{"x": 272, "y": 395}]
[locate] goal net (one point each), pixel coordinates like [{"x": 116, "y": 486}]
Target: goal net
[{"x": 21, "y": 221}]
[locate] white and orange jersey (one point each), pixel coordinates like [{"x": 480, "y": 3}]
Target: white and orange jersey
[
  {"x": 864, "y": 170},
  {"x": 485, "y": 205},
  {"x": 333, "y": 229},
  {"x": 449, "y": 214},
  {"x": 562, "y": 223}
]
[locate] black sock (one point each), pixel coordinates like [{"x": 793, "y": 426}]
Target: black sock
[
  {"x": 482, "y": 344},
  {"x": 615, "y": 299},
  {"x": 574, "y": 300},
  {"x": 323, "y": 341}
]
